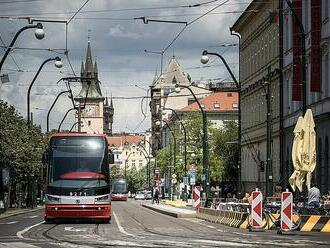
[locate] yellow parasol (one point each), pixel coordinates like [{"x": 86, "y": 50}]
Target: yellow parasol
[
  {"x": 297, "y": 178},
  {"x": 303, "y": 151},
  {"x": 308, "y": 155}
]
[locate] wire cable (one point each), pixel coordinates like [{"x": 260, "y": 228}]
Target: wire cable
[{"x": 77, "y": 11}]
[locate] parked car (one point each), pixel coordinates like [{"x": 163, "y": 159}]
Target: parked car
[
  {"x": 139, "y": 196},
  {"x": 148, "y": 195}
]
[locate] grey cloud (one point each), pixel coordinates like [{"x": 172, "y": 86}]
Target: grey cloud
[{"x": 118, "y": 47}]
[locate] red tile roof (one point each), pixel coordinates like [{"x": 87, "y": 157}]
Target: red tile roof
[
  {"x": 118, "y": 141},
  {"x": 217, "y": 101}
]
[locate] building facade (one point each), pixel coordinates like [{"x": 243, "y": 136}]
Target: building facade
[
  {"x": 161, "y": 87},
  {"x": 130, "y": 151},
  {"x": 314, "y": 16},
  {"x": 259, "y": 66},
  {"x": 95, "y": 112}
]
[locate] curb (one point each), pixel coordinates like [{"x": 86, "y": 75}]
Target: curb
[
  {"x": 170, "y": 213},
  {"x": 18, "y": 212}
]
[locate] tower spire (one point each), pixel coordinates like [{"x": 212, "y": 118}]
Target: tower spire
[{"x": 89, "y": 62}]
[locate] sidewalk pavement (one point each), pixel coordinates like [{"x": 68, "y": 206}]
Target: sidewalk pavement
[
  {"x": 16, "y": 211},
  {"x": 171, "y": 210}
]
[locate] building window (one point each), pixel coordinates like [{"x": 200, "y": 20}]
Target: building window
[
  {"x": 229, "y": 94},
  {"x": 117, "y": 155},
  {"x": 89, "y": 123},
  {"x": 216, "y": 105},
  {"x": 140, "y": 163},
  {"x": 133, "y": 162}
]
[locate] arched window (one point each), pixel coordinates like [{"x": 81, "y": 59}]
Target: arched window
[{"x": 326, "y": 164}]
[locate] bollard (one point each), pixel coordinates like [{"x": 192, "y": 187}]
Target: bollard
[
  {"x": 256, "y": 211},
  {"x": 286, "y": 211}
]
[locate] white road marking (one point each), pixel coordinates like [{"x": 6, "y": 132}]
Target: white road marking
[
  {"x": 20, "y": 233},
  {"x": 8, "y": 223},
  {"x": 72, "y": 229},
  {"x": 213, "y": 227},
  {"x": 17, "y": 245},
  {"x": 121, "y": 229},
  {"x": 222, "y": 243},
  {"x": 31, "y": 217},
  {"x": 244, "y": 234}
]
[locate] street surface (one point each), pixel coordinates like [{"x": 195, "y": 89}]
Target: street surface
[{"x": 135, "y": 226}]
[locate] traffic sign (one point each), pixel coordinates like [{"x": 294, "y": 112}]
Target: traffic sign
[
  {"x": 156, "y": 171},
  {"x": 192, "y": 179},
  {"x": 185, "y": 180},
  {"x": 203, "y": 177},
  {"x": 173, "y": 176}
]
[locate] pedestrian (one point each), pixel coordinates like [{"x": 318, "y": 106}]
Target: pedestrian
[
  {"x": 156, "y": 195},
  {"x": 314, "y": 196}
]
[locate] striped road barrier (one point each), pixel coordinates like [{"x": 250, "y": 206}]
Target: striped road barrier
[{"x": 310, "y": 223}]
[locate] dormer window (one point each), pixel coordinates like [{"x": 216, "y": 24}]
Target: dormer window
[
  {"x": 216, "y": 105},
  {"x": 235, "y": 105}
]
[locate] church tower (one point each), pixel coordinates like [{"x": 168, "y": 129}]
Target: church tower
[
  {"x": 94, "y": 113},
  {"x": 108, "y": 117}
]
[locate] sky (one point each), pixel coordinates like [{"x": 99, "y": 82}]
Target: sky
[{"x": 118, "y": 43}]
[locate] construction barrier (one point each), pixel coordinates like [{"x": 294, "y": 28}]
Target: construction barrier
[
  {"x": 256, "y": 209},
  {"x": 286, "y": 211},
  {"x": 197, "y": 197},
  {"x": 240, "y": 220}
]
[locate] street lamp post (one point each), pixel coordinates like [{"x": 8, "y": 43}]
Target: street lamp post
[
  {"x": 185, "y": 144},
  {"x": 185, "y": 138},
  {"x": 73, "y": 126},
  {"x": 146, "y": 141},
  {"x": 39, "y": 33},
  {"x": 205, "y": 60},
  {"x": 67, "y": 112},
  {"x": 58, "y": 64},
  {"x": 61, "y": 93},
  {"x": 206, "y": 172},
  {"x": 147, "y": 157}
]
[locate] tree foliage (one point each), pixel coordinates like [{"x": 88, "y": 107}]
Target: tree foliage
[
  {"x": 223, "y": 151},
  {"x": 21, "y": 147}
]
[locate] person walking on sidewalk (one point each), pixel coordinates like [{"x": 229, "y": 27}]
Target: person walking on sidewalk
[{"x": 156, "y": 195}]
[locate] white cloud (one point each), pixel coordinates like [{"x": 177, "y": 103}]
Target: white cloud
[{"x": 118, "y": 47}]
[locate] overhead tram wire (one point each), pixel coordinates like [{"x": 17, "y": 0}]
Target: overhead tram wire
[
  {"x": 129, "y": 9},
  {"x": 5, "y": 47}
]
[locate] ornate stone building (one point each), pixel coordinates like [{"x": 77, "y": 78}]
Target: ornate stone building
[
  {"x": 96, "y": 114},
  {"x": 259, "y": 65}
]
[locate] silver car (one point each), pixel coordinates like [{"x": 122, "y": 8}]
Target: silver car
[{"x": 139, "y": 196}]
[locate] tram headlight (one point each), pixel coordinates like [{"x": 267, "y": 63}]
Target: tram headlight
[
  {"x": 52, "y": 199},
  {"x": 105, "y": 198}
]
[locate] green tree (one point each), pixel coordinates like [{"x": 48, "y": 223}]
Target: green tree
[
  {"x": 21, "y": 150},
  {"x": 194, "y": 126},
  {"x": 226, "y": 149},
  {"x": 136, "y": 180}
]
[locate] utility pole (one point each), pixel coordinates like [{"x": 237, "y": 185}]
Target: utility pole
[
  {"x": 269, "y": 165},
  {"x": 79, "y": 118}
]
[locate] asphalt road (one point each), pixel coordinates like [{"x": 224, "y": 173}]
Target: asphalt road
[{"x": 135, "y": 226}]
